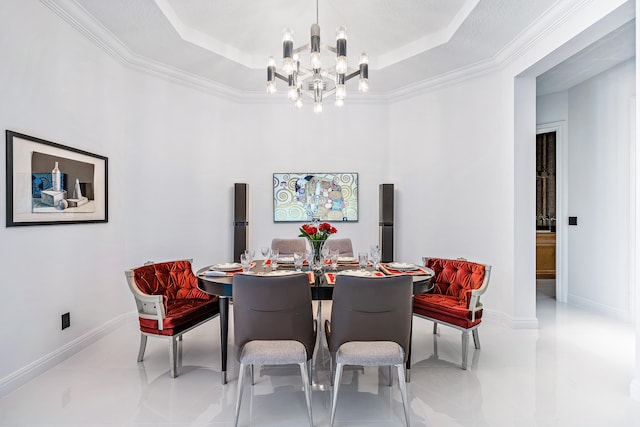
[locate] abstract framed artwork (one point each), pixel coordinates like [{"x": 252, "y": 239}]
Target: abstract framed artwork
[
  {"x": 299, "y": 197},
  {"x": 50, "y": 183}
]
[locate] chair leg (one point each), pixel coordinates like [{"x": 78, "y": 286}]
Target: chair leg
[
  {"x": 253, "y": 379},
  {"x": 465, "y": 347},
  {"x": 403, "y": 391},
  {"x": 173, "y": 356},
  {"x": 390, "y": 377},
  {"x": 336, "y": 386},
  {"x": 239, "y": 396},
  {"x": 143, "y": 346},
  {"x": 476, "y": 339},
  {"x": 304, "y": 373},
  {"x": 435, "y": 328},
  {"x": 331, "y": 370}
]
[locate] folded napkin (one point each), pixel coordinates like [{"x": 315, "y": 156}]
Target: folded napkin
[
  {"x": 215, "y": 273},
  {"x": 418, "y": 272}
]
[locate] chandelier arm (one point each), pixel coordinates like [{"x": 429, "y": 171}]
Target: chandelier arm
[
  {"x": 352, "y": 75},
  {"x": 282, "y": 77},
  {"x": 331, "y": 49},
  {"x": 302, "y": 48}
]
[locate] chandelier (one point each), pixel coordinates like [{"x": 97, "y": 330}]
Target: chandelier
[{"x": 314, "y": 82}]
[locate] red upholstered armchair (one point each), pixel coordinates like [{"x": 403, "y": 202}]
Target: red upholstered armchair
[
  {"x": 455, "y": 300},
  {"x": 169, "y": 304}
]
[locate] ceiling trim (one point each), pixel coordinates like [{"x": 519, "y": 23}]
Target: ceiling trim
[
  {"x": 81, "y": 20},
  {"x": 425, "y": 43},
  {"x": 207, "y": 42}
]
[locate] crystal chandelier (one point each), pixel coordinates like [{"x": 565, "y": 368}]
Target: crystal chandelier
[{"x": 314, "y": 81}]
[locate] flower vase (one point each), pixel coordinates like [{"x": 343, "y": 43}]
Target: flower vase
[{"x": 317, "y": 246}]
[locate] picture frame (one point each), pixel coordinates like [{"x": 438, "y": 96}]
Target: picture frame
[
  {"x": 50, "y": 183},
  {"x": 326, "y": 196}
]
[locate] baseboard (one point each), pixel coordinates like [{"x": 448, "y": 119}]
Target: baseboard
[
  {"x": 616, "y": 313},
  {"x": 516, "y": 322},
  {"x": 634, "y": 389},
  {"x": 32, "y": 370}
]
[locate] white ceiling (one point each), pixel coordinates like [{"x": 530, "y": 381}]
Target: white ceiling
[{"x": 225, "y": 43}]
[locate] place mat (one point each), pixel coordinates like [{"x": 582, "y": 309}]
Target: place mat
[
  {"x": 268, "y": 262},
  {"x": 331, "y": 277},
  {"x": 309, "y": 274},
  {"x": 218, "y": 273},
  {"x": 421, "y": 271}
]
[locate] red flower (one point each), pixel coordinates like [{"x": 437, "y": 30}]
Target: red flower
[{"x": 321, "y": 232}]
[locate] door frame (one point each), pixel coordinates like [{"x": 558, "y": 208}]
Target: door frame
[{"x": 562, "y": 197}]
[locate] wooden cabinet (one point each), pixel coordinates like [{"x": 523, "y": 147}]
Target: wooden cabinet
[{"x": 545, "y": 255}]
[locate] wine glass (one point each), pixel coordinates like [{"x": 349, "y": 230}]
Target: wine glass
[
  {"x": 363, "y": 259},
  {"x": 245, "y": 260},
  {"x": 249, "y": 255},
  {"x": 274, "y": 258},
  {"x": 375, "y": 256},
  {"x": 298, "y": 259},
  {"x": 265, "y": 251},
  {"x": 334, "y": 254}
]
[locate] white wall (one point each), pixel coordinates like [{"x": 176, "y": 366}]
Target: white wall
[
  {"x": 450, "y": 166},
  {"x": 597, "y": 113},
  {"x": 599, "y": 179}
]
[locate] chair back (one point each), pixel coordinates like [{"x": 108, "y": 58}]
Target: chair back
[
  {"x": 344, "y": 246},
  {"x": 457, "y": 278},
  {"x": 171, "y": 279},
  {"x": 273, "y": 308},
  {"x": 371, "y": 309},
  {"x": 289, "y": 246}
]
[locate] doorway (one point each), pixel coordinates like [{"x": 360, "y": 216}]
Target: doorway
[{"x": 546, "y": 214}]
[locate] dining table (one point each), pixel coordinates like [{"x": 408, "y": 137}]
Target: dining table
[{"x": 217, "y": 280}]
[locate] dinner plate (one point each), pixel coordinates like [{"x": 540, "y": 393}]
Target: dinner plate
[
  {"x": 402, "y": 266},
  {"x": 285, "y": 259},
  {"x": 346, "y": 259},
  {"x": 281, "y": 273},
  {"x": 359, "y": 273},
  {"x": 226, "y": 266}
]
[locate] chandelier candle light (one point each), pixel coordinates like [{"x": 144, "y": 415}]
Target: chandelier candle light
[{"x": 313, "y": 82}]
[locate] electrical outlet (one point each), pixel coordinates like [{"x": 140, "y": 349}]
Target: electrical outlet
[
  {"x": 573, "y": 220},
  {"x": 66, "y": 320}
]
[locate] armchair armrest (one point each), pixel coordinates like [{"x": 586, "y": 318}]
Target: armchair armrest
[
  {"x": 474, "y": 301},
  {"x": 149, "y": 306}
]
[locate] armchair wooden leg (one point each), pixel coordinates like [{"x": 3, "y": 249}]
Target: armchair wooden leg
[
  {"x": 143, "y": 346},
  {"x": 173, "y": 356},
  {"x": 476, "y": 339},
  {"x": 465, "y": 346}
]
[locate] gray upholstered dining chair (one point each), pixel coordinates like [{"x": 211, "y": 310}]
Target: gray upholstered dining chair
[
  {"x": 370, "y": 326},
  {"x": 273, "y": 325},
  {"x": 344, "y": 246},
  {"x": 289, "y": 246}
]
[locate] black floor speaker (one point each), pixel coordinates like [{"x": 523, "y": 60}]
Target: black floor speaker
[
  {"x": 240, "y": 219},
  {"x": 386, "y": 222}
]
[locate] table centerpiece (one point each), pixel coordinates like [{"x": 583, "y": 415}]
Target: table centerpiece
[{"x": 317, "y": 234}]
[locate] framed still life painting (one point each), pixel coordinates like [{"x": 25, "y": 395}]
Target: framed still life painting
[{"x": 50, "y": 183}]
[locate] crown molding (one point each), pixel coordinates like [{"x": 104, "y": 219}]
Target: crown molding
[{"x": 76, "y": 16}]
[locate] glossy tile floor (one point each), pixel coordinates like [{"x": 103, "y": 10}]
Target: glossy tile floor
[{"x": 574, "y": 371}]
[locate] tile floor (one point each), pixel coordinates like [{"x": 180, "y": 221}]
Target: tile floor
[{"x": 574, "y": 371}]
